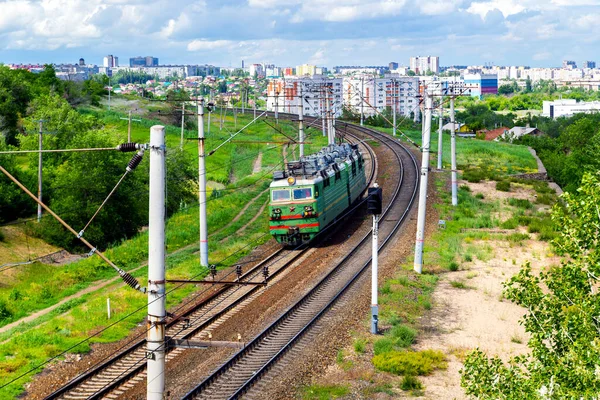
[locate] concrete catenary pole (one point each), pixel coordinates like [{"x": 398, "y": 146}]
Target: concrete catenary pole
[
  {"x": 418, "y": 264},
  {"x": 209, "y": 113},
  {"x": 394, "y": 103},
  {"x": 330, "y": 139},
  {"x": 362, "y": 101},
  {"x": 323, "y": 116},
  {"x": 202, "y": 187},
  {"x": 301, "y": 120},
  {"x": 454, "y": 179},
  {"x": 156, "y": 268},
  {"x": 129, "y": 128},
  {"x": 277, "y": 107},
  {"x": 254, "y": 105},
  {"x": 243, "y": 101},
  {"x": 40, "y": 132},
  {"x": 440, "y": 137},
  {"x": 182, "y": 125}
]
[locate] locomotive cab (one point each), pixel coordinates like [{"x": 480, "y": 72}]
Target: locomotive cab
[{"x": 313, "y": 191}]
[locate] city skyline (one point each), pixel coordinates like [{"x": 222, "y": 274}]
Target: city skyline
[{"x": 292, "y": 32}]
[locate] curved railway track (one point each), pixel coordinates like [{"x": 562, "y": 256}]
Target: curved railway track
[
  {"x": 111, "y": 377},
  {"x": 247, "y": 366}
]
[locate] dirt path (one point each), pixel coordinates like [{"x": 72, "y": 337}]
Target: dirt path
[
  {"x": 257, "y": 164},
  {"x": 242, "y": 212},
  {"x": 258, "y": 214}
]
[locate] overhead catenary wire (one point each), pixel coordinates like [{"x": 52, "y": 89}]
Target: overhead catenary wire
[
  {"x": 130, "y": 280},
  {"x": 83, "y": 341}
]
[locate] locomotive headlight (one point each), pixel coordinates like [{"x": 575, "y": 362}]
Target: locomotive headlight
[{"x": 291, "y": 180}]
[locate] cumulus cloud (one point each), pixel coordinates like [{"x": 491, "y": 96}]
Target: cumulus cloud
[
  {"x": 296, "y": 31},
  {"x": 203, "y": 44}
]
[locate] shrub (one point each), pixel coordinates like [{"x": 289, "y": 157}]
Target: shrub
[
  {"x": 473, "y": 175},
  {"x": 517, "y": 237},
  {"x": 510, "y": 223},
  {"x": 468, "y": 258},
  {"x": 453, "y": 266},
  {"x": 402, "y": 335},
  {"x": 5, "y": 313},
  {"x": 383, "y": 345},
  {"x": 503, "y": 186},
  {"x": 542, "y": 188},
  {"x": 546, "y": 198},
  {"x": 359, "y": 345},
  {"x": 479, "y": 196},
  {"x": 459, "y": 285},
  {"x": 520, "y": 203},
  {"x": 547, "y": 233},
  {"x": 466, "y": 188},
  {"x": 15, "y": 295},
  {"x": 410, "y": 382},
  {"x": 410, "y": 362}
]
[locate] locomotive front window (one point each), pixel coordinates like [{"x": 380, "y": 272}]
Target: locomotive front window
[
  {"x": 304, "y": 193},
  {"x": 281, "y": 195}
]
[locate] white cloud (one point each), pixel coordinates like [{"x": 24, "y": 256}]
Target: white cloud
[
  {"x": 203, "y": 44},
  {"x": 273, "y": 3},
  {"x": 545, "y": 55}
]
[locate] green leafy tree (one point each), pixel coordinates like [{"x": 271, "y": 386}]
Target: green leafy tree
[{"x": 562, "y": 320}]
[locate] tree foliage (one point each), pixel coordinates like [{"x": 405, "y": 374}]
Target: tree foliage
[
  {"x": 570, "y": 148},
  {"x": 562, "y": 320}
]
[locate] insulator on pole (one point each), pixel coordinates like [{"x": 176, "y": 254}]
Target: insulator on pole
[
  {"x": 128, "y": 147},
  {"x": 131, "y": 281},
  {"x": 135, "y": 161}
]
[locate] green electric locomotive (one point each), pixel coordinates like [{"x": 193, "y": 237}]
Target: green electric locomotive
[{"x": 314, "y": 191}]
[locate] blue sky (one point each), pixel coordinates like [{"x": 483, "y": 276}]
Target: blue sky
[{"x": 292, "y": 32}]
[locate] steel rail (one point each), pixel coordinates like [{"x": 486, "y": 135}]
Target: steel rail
[
  {"x": 127, "y": 374},
  {"x": 260, "y": 338}
]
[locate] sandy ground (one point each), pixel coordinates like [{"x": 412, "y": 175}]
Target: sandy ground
[
  {"x": 463, "y": 319},
  {"x": 478, "y": 316}
]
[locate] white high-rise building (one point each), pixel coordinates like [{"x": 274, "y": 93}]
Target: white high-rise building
[
  {"x": 283, "y": 95},
  {"x": 423, "y": 64},
  {"x": 111, "y": 61},
  {"x": 371, "y": 95}
]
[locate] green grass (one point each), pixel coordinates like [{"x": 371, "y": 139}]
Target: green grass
[
  {"x": 520, "y": 203},
  {"x": 38, "y": 286},
  {"x": 326, "y": 392},
  {"x": 459, "y": 285}
]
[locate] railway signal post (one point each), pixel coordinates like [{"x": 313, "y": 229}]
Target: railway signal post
[
  {"x": 374, "y": 201},
  {"x": 155, "y": 354}
]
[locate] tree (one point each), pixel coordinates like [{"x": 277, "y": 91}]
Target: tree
[
  {"x": 562, "y": 306},
  {"x": 528, "y": 86}
]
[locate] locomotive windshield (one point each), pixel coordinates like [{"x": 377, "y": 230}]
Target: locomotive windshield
[
  {"x": 303, "y": 193},
  {"x": 281, "y": 195}
]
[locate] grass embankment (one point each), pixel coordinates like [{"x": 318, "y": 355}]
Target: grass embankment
[
  {"x": 38, "y": 286},
  {"x": 389, "y": 363}
]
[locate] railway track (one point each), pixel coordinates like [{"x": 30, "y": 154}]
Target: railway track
[
  {"x": 242, "y": 370},
  {"x": 114, "y": 376}
]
